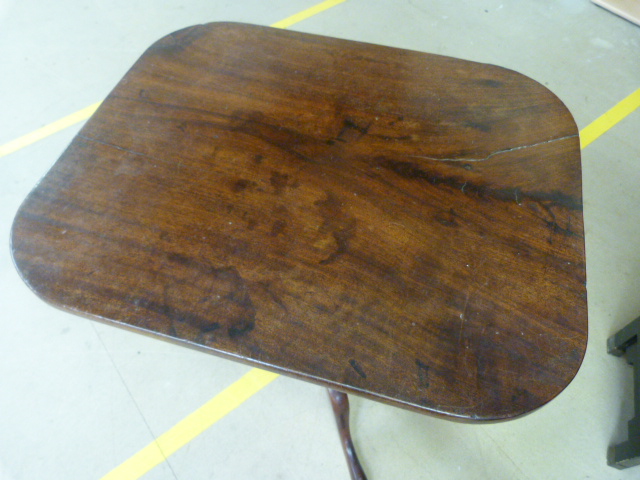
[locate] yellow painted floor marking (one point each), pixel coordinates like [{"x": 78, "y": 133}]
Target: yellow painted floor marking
[
  {"x": 309, "y": 12},
  {"x": 607, "y": 120},
  {"x": 193, "y": 425},
  {"x": 48, "y": 130}
]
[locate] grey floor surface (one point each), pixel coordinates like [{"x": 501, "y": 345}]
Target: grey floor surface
[{"x": 77, "y": 398}]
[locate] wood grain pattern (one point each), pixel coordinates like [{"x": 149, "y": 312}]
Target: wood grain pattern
[{"x": 391, "y": 223}]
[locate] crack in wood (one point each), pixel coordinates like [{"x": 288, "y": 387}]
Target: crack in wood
[{"x": 497, "y": 152}]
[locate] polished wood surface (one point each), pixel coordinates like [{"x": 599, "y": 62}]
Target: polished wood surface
[{"x": 400, "y": 225}]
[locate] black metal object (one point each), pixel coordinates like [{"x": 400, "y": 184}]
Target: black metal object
[{"x": 626, "y": 343}]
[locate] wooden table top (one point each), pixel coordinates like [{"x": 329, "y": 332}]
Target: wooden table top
[{"x": 395, "y": 224}]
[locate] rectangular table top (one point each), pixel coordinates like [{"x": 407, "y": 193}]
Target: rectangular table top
[{"x": 391, "y": 223}]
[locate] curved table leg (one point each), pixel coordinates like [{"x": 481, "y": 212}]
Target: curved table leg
[{"x": 340, "y": 404}]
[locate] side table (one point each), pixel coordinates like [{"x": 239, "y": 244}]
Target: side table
[{"x": 388, "y": 223}]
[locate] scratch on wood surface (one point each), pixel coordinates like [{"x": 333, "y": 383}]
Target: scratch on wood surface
[
  {"x": 463, "y": 319},
  {"x": 493, "y": 154}
]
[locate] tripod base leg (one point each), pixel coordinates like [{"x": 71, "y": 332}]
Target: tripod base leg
[{"x": 340, "y": 404}]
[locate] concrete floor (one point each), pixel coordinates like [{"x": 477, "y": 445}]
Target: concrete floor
[{"x": 77, "y": 398}]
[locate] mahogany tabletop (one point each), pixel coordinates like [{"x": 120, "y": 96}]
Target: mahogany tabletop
[{"x": 395, "y": 224}]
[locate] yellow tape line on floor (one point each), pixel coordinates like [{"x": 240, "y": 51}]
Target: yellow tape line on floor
[
  {"x": 309, "y": 12},
  {"x": 613, "y": 116},
  {"x": 48, "y": 130},
  {"x": 193, "y": 425}
]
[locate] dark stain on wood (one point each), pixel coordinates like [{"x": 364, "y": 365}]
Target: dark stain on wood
[
  {"x": 487, "y": 82},
  {"x": 278, "y": 227},
  {"x": 411, "y": 171},
  {"x": 279, "y": 181},
  {"x": 520, "y": 395},
  {"x": 225, "y": 299},
  {"x": 358, "y": 369},
  {"x": 352, "y": 131},
  {"x": 483, "y": 127},
  {"x": 242, "y": 184},
  {"x": 336, "y": 222},
  {"x": 423, "y": 373},
  {"x": 448, "y": 219}
]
